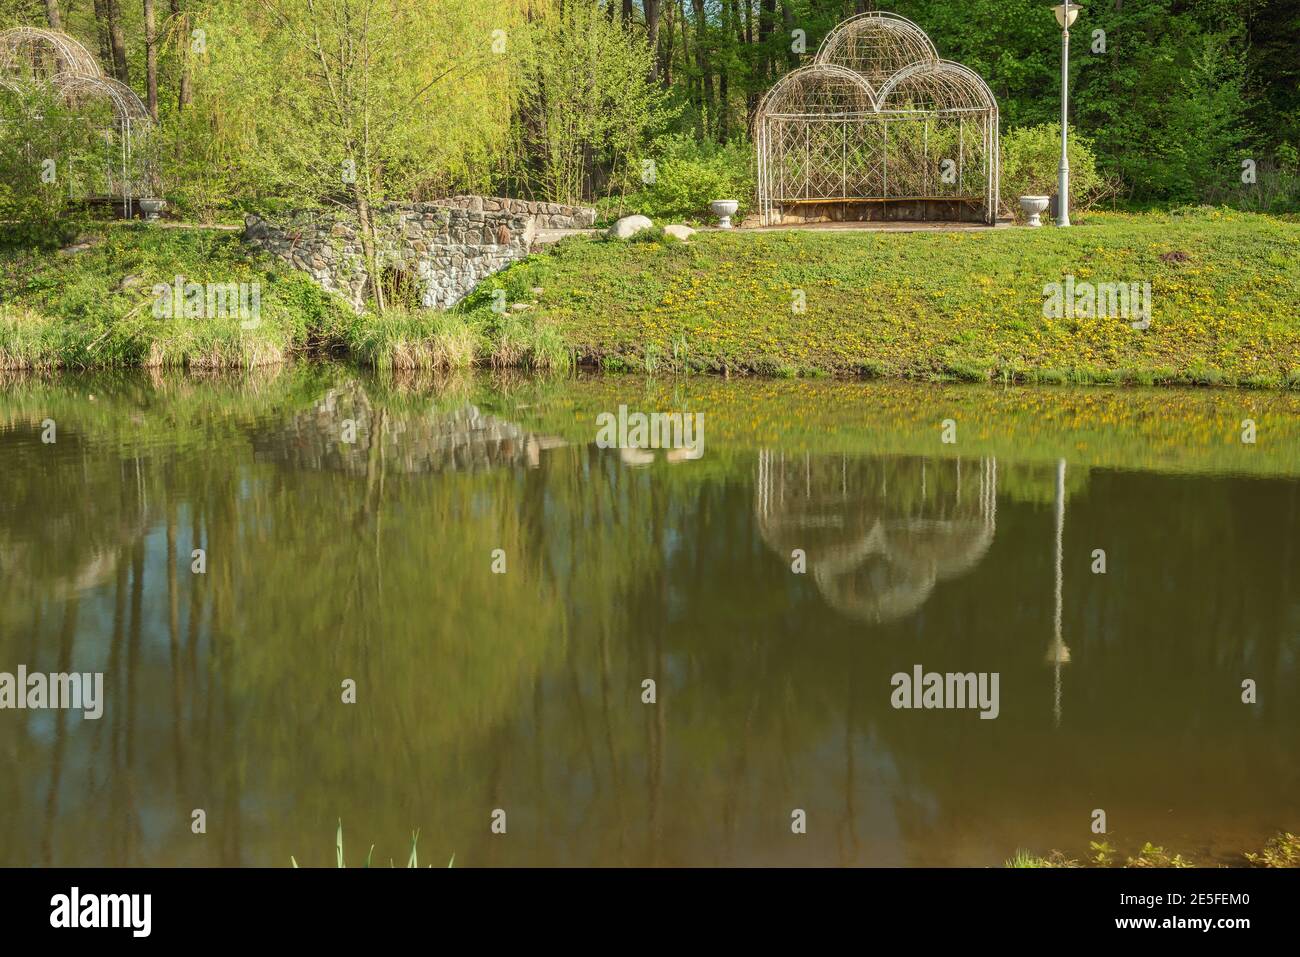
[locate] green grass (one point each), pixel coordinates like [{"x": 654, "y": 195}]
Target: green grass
[
  {"x": 412, "y": 859},
  {"x": 95, "y": 309},
  {"x": 958, "y": 306},
  {"x": 1282, "y": 850}
]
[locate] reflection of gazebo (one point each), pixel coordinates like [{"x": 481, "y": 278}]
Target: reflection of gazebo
[
  {"x": 879, "y": 533},
  {"x": 878, "y": 127},
  {"x": 36, "y": 62}
]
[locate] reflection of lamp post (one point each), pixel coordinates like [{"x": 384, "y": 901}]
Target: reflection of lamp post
[
  {"x": 1065, "y": 14},
  {"x": 1058, "y": 654}
]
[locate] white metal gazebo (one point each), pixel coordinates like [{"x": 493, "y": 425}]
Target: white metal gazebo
[
  {"x": 35, "y": 61},
  {"x": 878, "y": 127}
]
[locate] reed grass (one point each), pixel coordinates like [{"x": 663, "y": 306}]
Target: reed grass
[{"x": 412, "y": 859}]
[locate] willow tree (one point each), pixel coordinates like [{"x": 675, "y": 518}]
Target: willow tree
[{"x": 358, "y": 102}]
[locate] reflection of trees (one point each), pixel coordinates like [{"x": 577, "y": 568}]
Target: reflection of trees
[
  {"x": 878, "y": 533},
  {"x": 60, "y": 527},
  {"x": 522, "y": 691}
]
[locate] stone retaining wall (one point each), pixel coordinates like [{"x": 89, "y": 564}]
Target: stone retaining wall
[
  {"x": 448, "y": 250},
  {"x": 546, "y": 215}
]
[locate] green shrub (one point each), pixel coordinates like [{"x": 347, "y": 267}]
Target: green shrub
[
  {"x": 689, "y": 175},
  {"x": 1276, "y": 188},
  {"x": 43, "y": 157},
  {"x": 1031, "y": 156}
]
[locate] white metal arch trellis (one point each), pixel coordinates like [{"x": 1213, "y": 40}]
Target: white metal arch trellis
[
  {"x": 32, "y": 59},
  {"x": 38, "y": 52},
  {"x": 878, "y": 127}
]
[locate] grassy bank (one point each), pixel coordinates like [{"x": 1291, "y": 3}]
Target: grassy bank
[
  {"x": 1225, "y": 305},
  {"x": 1225, "y": 302},
  {"x": 92, "y": 305},
  {"x": 1282, "y": 850}
]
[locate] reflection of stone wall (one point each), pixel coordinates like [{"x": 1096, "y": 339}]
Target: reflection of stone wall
[
  {"x": 447, "y": 250},
  {"x": 545, "y": 215},
  {"x": 459, "y": 440}
]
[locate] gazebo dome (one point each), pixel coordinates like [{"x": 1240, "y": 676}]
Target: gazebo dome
[{"x": 876, "y": 45}]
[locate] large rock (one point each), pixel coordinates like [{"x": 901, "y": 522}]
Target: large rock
[
  {"x": 678, "y": 231},
  {"x": 629, "y": 226}
]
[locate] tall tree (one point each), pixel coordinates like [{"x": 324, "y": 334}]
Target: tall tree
[
  {"x": 703, "y": 65},
  {"x": 117, "y": 40},
  {"x": 180, "y": 23},
  {"x": 652, "y": 8},
  {"x": 151, "y": 59}
]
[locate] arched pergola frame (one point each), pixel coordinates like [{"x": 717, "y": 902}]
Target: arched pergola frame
[
  {"x": 35, "y": 61},
  {"x": 878, "y": 126}
]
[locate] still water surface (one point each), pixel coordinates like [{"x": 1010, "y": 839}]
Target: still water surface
[{"x": 372, "y": 560}]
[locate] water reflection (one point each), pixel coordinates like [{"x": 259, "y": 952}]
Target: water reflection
[
  {"x": 344, "y": 431},
  {"x": 878, "y": 536},
  {"x": 371, "y": 560}
]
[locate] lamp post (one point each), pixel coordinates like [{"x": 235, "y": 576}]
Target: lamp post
[{"x": 1065, "y": 16}]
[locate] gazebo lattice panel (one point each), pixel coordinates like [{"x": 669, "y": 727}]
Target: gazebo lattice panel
[{"x": 878, "y": 127}]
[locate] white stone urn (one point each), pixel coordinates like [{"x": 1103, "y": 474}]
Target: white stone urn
[
  {"x": 724, "y": 209},
  {"x": 1032, "y": 207},
  {"x": 151, "y": 208}
]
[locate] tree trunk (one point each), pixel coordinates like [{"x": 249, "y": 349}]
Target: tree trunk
[
  {"x": 652, "y": 8},
  {"x": 702, "y": 61},
  {"x": 724, "y": 73},
  {"x": 151, "y": 59},
  {"x": 183, "y": 94},
  {"x": 766, "y": 20},
  {"x": 52, "y": 14},
  {"x": 746, "y": 36},
  {"x": 686, "y": 46},
  {"x": 101, "y": 33},
  {"x": 117, "y": 41},
  {"x": 667, "y": 74},
  {"x": 787, "y": 22},
  {"x": 367, "y": 227}
]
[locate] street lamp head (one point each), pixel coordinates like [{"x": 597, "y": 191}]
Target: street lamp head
[{"x": 1066, "y": 14}]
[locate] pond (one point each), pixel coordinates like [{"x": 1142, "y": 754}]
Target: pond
[{"x": 316, "y": 596}]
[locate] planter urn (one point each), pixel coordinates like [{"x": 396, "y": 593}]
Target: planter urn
[
  {"x": 724, "y": 209},
  {"x": 1032, "y": 207},
  {"x": 151, "y": 208}
]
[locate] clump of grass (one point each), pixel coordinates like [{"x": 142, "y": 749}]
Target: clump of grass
[
  {"x": 216, "y": 344},
  {"x": 1202, "y": 374},
  {"x": 1153, "y": 855},
  {"x": 411, "y": 861},
  {"x": 1026, "y": 859},
  {"x": 94, "y": 307},
  {"x": 966, "y": 372},
  {"x": 415, "y": 339},
  {"x": 654, "y": 234},
  {"x": 520, "y": 341},
  {"x": 1282, "y": 850},
  {"x": 28, "y": 340}
]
